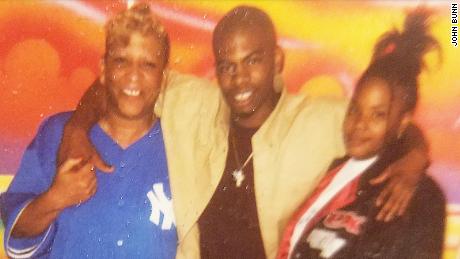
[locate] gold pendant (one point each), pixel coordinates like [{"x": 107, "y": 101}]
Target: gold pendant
[{"x": 238, "y": 177}]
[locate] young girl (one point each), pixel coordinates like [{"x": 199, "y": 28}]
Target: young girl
[{"x": 338, "y": 219}]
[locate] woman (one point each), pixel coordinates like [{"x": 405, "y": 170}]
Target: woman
[
  {"x": 75, "y": 211},
  {"x": 338, "y": 219}
]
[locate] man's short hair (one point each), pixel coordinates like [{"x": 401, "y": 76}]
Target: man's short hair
[
  {"x": 244, "y": 17},
  {"x": 137, "y": 19}
]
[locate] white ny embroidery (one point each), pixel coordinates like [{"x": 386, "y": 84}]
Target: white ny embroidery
[{"x": 161, "y": 204}]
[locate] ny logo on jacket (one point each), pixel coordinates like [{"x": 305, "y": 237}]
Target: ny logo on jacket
[{"x": 161, "y": 204}]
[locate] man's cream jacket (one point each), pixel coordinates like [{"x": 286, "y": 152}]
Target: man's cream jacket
[{"x": 292, "y": 150}]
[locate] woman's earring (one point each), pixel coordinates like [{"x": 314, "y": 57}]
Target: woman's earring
[{"x": 278, "y": 83}]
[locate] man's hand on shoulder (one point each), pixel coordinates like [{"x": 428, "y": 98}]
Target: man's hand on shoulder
[
  {"x": 401, "y": 179},
  {"x": 75, "y": 144}
]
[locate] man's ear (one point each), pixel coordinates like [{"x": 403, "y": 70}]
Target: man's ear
[
  {"x": 406, "y": 120},
  {"x": 279, "y": 60},
  {"x": 102, "y": 71}
]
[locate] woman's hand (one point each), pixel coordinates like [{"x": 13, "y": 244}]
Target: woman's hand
[{"x": 75, "y": 182}]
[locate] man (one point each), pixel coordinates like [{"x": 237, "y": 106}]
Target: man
[
  {"x": 243, "y": 159},
  {"x": 76, "y": 212}
]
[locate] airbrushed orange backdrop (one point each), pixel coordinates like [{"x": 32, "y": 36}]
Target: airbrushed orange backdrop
[{"x": 49, "y": 54}]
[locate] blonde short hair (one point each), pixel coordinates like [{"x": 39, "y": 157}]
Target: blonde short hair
[{"x": 137, "y": 19}]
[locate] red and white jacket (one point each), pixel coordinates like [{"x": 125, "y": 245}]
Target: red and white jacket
[{"x": 345, "y": 227}]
